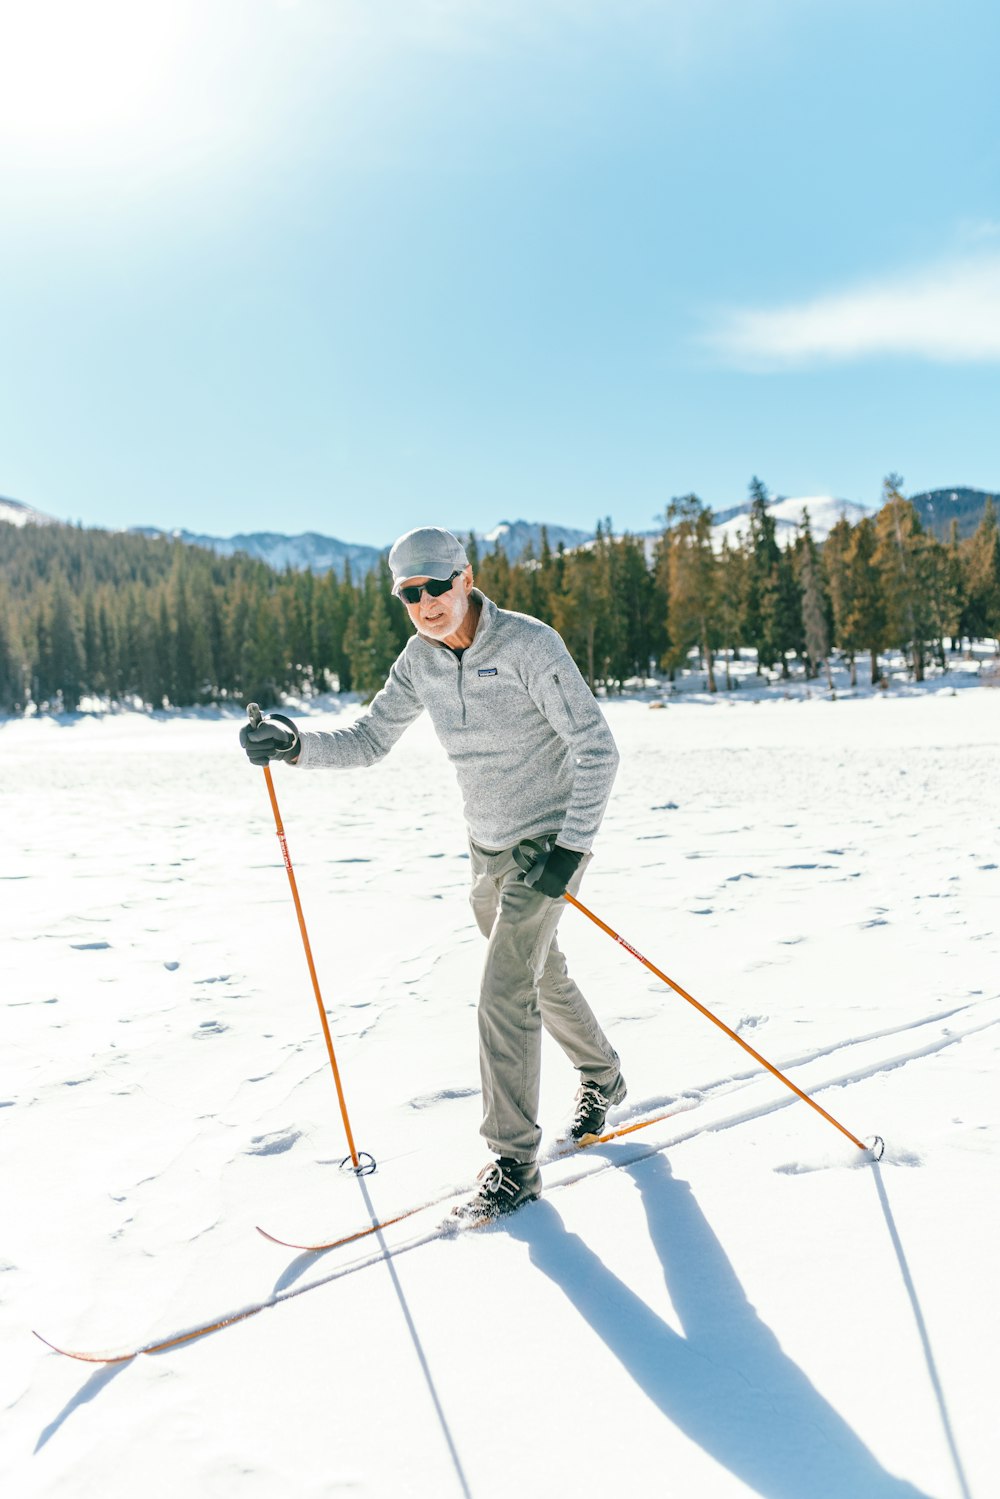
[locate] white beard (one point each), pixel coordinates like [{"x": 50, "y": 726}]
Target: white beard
[{"x": 456, "y": 609}]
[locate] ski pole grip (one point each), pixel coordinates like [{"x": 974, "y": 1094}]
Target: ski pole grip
[{"x": 254, "y": 714}]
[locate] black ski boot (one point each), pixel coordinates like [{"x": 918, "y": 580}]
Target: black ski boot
[
  {"x": 503, "y": 1186},
  {"x": 592, "y": 1105}
]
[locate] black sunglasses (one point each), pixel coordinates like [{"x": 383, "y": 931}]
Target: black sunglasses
[{"x": 434, "y": 586}]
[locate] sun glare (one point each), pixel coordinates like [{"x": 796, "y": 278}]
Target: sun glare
[{"x": 71, "y": 70}]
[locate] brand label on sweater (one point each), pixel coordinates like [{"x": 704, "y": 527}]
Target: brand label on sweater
[{"x": 487, "y": 671}]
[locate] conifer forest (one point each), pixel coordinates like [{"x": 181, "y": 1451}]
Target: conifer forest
[{"x": 125, "y": 618}]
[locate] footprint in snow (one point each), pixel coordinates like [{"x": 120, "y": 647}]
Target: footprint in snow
[
  {"x": 274, "y": 1144},
  {"x": 750, "y": 1023},
  {"x": 425, "y": 1100},
  {"x": 210, "y": 1028}
]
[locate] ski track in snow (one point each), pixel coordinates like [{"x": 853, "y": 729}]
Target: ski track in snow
[{"x": 823, "y": 876}]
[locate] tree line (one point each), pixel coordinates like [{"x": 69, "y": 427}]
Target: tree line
[{"x": 130, "y": 618}]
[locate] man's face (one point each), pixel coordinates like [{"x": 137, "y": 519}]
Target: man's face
[{"x": 441, "y": 617}]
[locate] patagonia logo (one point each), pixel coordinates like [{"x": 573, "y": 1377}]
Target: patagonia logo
[{"x": 487, "y": 671}]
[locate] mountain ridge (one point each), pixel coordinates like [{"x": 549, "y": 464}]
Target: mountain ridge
[{"x": 316, "y": 552}]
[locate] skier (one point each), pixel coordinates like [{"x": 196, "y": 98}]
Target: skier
[{"x": 535, "y": 762}]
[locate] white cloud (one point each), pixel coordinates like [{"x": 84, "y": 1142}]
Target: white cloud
[{"x": 947, "y": 313}]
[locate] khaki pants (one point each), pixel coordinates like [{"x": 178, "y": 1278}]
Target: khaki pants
[{"x": 526, "y": 985}]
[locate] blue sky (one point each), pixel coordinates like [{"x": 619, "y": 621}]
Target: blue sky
[{"x": 352, "y": 266}]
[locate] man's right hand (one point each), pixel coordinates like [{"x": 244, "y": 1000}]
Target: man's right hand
[{"x": 274, "y": 738}]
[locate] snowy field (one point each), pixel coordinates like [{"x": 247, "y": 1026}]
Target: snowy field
[{"x": 732, "y": 1302}]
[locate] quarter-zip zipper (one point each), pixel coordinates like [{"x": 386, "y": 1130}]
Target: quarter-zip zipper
[{"x": 461, "y": 690}]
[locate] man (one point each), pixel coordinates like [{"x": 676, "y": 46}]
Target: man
[{"x": 535, "y": 761}]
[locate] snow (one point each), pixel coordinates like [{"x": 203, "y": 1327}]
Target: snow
[
  {"x": 732, "y": 1302},
  {"x": 17, "y": 514},
  {"x": 824, "y": 513}
]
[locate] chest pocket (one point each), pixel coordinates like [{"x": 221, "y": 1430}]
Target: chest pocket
[{"x": 493, "y": 694}]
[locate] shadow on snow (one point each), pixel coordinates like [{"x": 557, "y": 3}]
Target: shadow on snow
[{"x": 726, "y": 1383}]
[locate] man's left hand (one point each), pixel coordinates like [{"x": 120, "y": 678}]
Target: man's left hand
[{"x": 551, "y": 872}]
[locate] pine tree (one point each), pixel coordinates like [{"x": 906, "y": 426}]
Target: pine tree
[
  {"x": 296, "y": 596},
  {"x": 186, "y": 671},
  {"x": 909, "y": 622},
  {"x": 11, "y": 686},
  {"x": 161, "y": 686},
  {"x": 866, "y": 624},
  {"x": 765, "y": 589},
  {"x": 815, "y": 603},
  {"x": 263, "y": 672},
  {"x": 108, "y": 655},
  {"x": 148, "y": 653},
  {"x": 495, "y": 575},
  {"x": 237, "y": 609},
  {"x": 378, "y": 649},
  {"x": 558, "y": 574},
  {"x": 957, "y": 587},
  {"x": 693, "y": 575},
  {"x": 941, "y": 600},
  {"x": 661, "y": 596},
  {"x": 982, "y": 573},
  {"x": 788, "y": 627},
  {"x": 636, "y": 601},
  {"x": 525, "y": 595},
  {"x": 93, "y": 667},
  {"x": 549, "y": 579},
  {"x": 64, "y": 664},
  {"x": 348, "y": 603},
  {"x": 606, "y": 628},
  {"x": 575, "y": 615},
  {"x": 730, "y": 597},
  {"x": 837, "y": 567}
]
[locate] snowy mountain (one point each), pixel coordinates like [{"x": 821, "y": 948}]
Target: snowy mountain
[
  {"x": 320, "y": 554},
  {"x": 306, "y": 551},
  {"x": 17, "y": 514},
  {"x": 515, "y": 537},
  {"x": 824, "y": 513}
]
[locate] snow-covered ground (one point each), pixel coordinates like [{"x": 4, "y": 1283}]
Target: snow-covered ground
[{"x": 732, "y": 1302}]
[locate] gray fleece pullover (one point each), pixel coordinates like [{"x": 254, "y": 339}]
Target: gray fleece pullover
[{"x": 531, "y": 749}]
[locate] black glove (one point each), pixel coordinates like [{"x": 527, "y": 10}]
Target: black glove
[
  {"x": 274, "y": 738},
  {"x": 548, "y": 867}
]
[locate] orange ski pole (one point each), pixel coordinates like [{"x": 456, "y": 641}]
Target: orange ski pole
[
  {"x": 365, "y": 1168},
  {"x": 879, "y": 1144}
]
